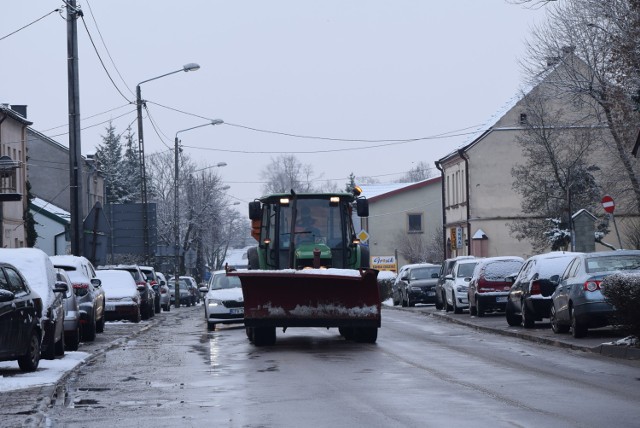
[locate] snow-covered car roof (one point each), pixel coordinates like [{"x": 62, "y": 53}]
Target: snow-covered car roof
[{"x": 37, "y": 269}]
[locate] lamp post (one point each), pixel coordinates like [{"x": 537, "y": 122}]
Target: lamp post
[
  {"x": 143, "y": 173},
  {"x": 176, "y": 216}
]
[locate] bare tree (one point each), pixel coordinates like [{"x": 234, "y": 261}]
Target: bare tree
[
  {"x": 420, "y": 172},
  {"x": 600, "y": 72},
  {"x": 286, "y": 172},
  {"x": 556, "y": 178},
  {"x": 418, "y": 248}
]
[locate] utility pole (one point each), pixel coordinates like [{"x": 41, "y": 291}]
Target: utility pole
[{"x": 75, "y": 153}]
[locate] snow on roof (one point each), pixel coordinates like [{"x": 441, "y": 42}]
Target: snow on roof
[
  {"x": 373, "y": 190},
  {"x": 37, "y": 269},
  {"x": 117, "y": 283},
  {"x": 53, "y": 209}
]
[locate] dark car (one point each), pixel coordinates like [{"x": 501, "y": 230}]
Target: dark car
[
  {"x": 147, "y": 295},
  {"x": 489, "y": 285},
  {"x": 40, "y": 275},
  {"x": 150, "y": 273},
  {"x": 418, "y": 284},
  {"x": 529, "y": 298},
  {"x": 88, "y": 291},
  {"x": 20, "y": 315},
  {"x": 578, "y": 303},
  {"x": 445, "y": 269}
]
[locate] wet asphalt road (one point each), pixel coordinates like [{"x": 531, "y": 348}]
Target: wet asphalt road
[{"x": 422, "y": 372}]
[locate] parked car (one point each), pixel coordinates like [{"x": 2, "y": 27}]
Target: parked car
[
  {"x": 147, "y": 295},
  {"x": 186, "y": 293},
  {"x": 456, "y": 284},
  {"x": 577, "y": 302},
  {"x": 71, "y": 313},
  {"x": 88, "y": 292},
  {"x": 445, "y": 269},
  {"x": 123, "y": 294},
  {"x": 20, "y": 319},
  {"x": 223, "y": 302},
  {"x": 37, "y": 269},
  {"x": 165, "y": 293},
  {"x": 152, "y": 279},
  {"x": 529, "y": 298},
  {"x": 418, "y": 284},
  {"x": 396, "y": 292},
  {"x": 489, "y": 285},
  {"x": 193, "y": 288}
]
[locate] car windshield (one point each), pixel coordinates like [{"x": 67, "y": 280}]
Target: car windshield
[
  {"x": 224, "y": 281},
  {"x": 466, "y": 269},
  {"x": 613, "y": 263},
  {"x": 425, "y": 273}
]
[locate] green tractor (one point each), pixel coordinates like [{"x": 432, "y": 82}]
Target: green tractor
[{"x": 309, "y": 268}]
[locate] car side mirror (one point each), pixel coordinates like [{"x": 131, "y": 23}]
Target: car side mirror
[
  {"x": 142, "y": 287},
  {"x": 255, "y": 210},
  {"x": 362, "y": 207},
  {"x": 555, "y": 279},
  {"x": 163, "y": 282},
  {"x": 97, "y": 282},
  {"x": 467, "y": 279},
  {"x": 60, "y": 287},
  {"x": 448, "y": 277},
  {"x": 6, "y": 296},
  {"x": 435, "y": 275},
  {"x": 404, "y": 277},
  {"x": 203, "y": 289}
]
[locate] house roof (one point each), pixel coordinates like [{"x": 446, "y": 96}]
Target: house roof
[
  {"x": 47, "y": 209},
  {"x": 376, "y": 192},
  {"x": 5, "y": 109}
]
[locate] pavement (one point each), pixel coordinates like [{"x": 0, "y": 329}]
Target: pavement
[{"x": 27, "y": 407}]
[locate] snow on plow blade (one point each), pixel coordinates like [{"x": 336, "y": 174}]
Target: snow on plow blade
[{"x": 310, "y": 298}]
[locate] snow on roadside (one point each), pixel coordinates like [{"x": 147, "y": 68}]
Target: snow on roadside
[{"x": 49, "y": 372}]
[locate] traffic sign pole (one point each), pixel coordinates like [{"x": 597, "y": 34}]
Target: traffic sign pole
[{"x": 609, "y": 206}]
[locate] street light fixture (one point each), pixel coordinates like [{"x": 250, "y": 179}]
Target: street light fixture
[
  {"x": 192, "y": 66},
  {"x": 176, "y": 216}
]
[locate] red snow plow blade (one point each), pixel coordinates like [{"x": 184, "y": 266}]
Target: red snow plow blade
[{"x": 311, "y": 298}]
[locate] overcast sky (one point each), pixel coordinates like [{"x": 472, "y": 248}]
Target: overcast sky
[{"x": 354, "y": 70}]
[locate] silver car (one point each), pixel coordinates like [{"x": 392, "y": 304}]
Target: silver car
[
  {"x": 165, "y": 293},
  {"x": 71, "y": 313}
]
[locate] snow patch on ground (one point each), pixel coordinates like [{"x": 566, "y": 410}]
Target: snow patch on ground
[{"x": 48, "y": 373}]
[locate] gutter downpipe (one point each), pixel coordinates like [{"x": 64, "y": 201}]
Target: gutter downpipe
[
  {"x": 466, "y": 184},
  {"x": 4, "y": 117},
  {"x": 444, "y": 214}
]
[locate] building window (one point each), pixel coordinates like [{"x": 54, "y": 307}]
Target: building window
[
  {"x": 414, "y": 223},
  {"x": 523, "y": 118}
]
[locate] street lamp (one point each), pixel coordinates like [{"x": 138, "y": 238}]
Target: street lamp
[
  {"x": 176, "y": 217},
  {"x": 143, "y": 173}
]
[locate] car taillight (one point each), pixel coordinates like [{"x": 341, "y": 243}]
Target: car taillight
[
  {"x": 535, "y": 288},
  {"x": 81, "y": 286},
  {"x": 591, "y": 285},
  {"x": 141, "y": 283},
  {"x": 153, "y": 283},
  {"x": 163, "y": 291},
  {"x": 80, "y": 289}
]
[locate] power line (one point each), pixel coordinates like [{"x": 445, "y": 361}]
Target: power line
[
  {"x": 29, "y": 24},
  {"x": 106, "y": 48},
  {"x": 89, "y": 117},
  {"x": 95, "y": 49}
]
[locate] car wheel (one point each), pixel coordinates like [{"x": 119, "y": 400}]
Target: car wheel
[
  {"x": 137, "y": 317},
  {"x": 100, "y": 325},
  {"x": 47, "y": 351},
  {"x": 167, "y": 307},
  {"x": 447, "y": 306},
  {"x": 578, "y": 329},
  {"x": 479, "y": 308},
  {"x": 29, "y": 361},
  {"x": 211, "y": 326},
  {"x": 73, "y": 339},
  {"x": 89, "y": 333},
  {"x": 347, "y": 332},
  {"x": 555, "y": 323},
  {"x": 59, "y": 346},
  {"x": 249, "y": 333},
  {"x": 158, "y": 308},
  {"x": 512, "y": 319},
  {"x": 439, "y": 304},
  {"x": 527, "y": 316},
  {"x": 472, "y": 309},
  {"x": 404, "y": 301},
  {"x": 366, "y": 334},
  {"x": 456, "y": 308}
]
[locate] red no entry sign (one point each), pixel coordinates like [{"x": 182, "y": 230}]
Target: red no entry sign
[{"x": 607, "y": 204}]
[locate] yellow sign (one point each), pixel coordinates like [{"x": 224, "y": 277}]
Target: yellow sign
[
  {"x": 453, "y": 238},
  {"x": 363, "y": 236},
  {"x": 384, "y": 263}
]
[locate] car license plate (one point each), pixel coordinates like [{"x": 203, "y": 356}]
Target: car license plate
[
  {"x": 236, "y": 311},
  {"x": 501, "y": 299},
  {"x": 431, "y": 293},
  {"x": 109, "y": 307}
]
